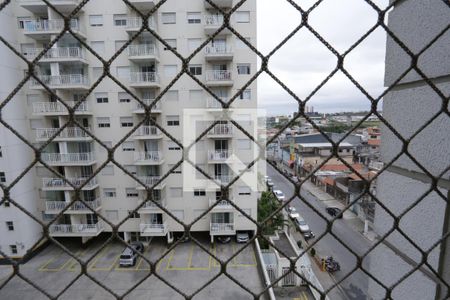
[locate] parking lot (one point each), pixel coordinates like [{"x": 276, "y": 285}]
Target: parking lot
[{"x": 187, "y": 267}]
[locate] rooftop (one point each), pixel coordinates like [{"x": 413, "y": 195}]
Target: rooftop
[{"x": 341, "y": 167}]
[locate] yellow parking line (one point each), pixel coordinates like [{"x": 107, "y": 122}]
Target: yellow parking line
[
  {"x": 101, "y": 255},
  {"x": 44, "y": 268},
  {"x": 189, "y": 265},
  {"x": 74, "y": 263}
]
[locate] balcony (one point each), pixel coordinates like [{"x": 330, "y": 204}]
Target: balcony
[
  {"x": 151, "y": 207},
  {"x": 69, "y": 159},
  {"x": 67, "y": 134},
  {"x": 221, "y": 131},
  {"x": 218, "y": 53},
  {"x": 147, "y": 133},
  {"x": 43, "y": 29},
  {"x": 223, "y": 205},
  {"x": 57, "y": 108},
  {"x": 54, "y": 207},
  {"x": 67, "y": 81},
  {"x": 155, "y": 109},
  {"x": 149, "y": 181},
  {"x": 148, "y": 158},
  {"x": 219, "y": 3},
  {"x": 143, "y": 52},
  {"x": 39, "y": 7},
  {"x": 212, "y": 103},
  {"x": 153, "y": 229},
  {"x": 222, "y": 229},
  {"x": 223, "y": 179},
  {"x": 219, "y": 156},
  {"x": 62, "y": 54},
  {"x": 144, "y": 80},
  {"x": 143, "y": 4},
  {"x": 213, "y": 23},
  {"x": 134, "y": 24},
  {"x": 76, "y": 229},
  {"x": 219, "y": 78},
  {"x": 57, "y": 184}
]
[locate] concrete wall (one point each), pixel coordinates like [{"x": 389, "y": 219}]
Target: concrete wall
[{"x": 407, "y": 107}]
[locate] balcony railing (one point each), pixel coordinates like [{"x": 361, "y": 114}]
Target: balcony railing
[
  {"x": 221, "y": 204},
  {"x": 76, "y": 206},
  {"x": 143, "y": 131},
  {"x": 142, "y": 50},
  {"x": 223, "y": 179},
  {"x": 53, "y": 158},
  {"x": 66, "y": 133},
  {"x": 152, "y": 205},
  {"x": 67, "y": 80},
  {"x": 56, "y": 53},
  {"x": 218, "y": 75},
  {"x": 44, "y": 26},
  {"x": 134, "y": 23},
  {"x": 213, "y": 103},
  {"x": 56, "y": 183},
  {"x": 149, "y": 180},
  {"x": 57, "y": 107},
  {"x": 214, "y": 20},
  {"x": 144, "y": 77},
  {"x": 157, "y": 106},
  {"x": 76, "y": 228},
  {"x": 221, "y": 129},
  {"x": 152, "y": 228},
  {"x": 222, "y": 49},
  {"x": 221, "y": 227},
  {"x": 148, "y": 156},
  {"x": 220, "y": 155}
]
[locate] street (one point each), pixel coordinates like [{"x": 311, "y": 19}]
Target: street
[{"x": 356, "y": 285}]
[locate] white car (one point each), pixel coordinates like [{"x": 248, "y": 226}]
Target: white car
[
  {"x": 279, "y": 194},
  {"x": 301, "y": 224}
]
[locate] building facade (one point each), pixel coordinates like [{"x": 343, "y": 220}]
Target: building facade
[{"x": 146, "y": 67}]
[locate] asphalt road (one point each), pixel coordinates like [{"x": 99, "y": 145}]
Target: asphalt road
[{"x": 355, "y": 286}]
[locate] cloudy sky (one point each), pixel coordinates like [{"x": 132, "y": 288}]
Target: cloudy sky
[{"x": 303, "y": 62}]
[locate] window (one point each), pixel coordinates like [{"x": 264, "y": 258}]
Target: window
[
  {"x": 133, "y": 215},
  {"x": 173, "y": 120},
  {"x": 244, "y": 190},
  {"x": 177, "y": 170},
  {"x": 2, "y": 177},
  {"x": 118, "y": 45},
  {"x": 126, "y": 121},
  {"x": 131, "y": 192},
  {"x": 10, "y": 225},
  {"x": 199, "y": 193},
  {"x": 176, "y": 192},
  {"x": 195, "y": 69},
  {"x": 242, "y": 17},
  {"x": 170, "y": 70},
  {"x": 171, "y": 96},
  {"x": 103, "y": 122},
  {"x": 96, "y": 20},
  {"x": 101, "y": 97},
  {"x": 131, "y": 168},
  {"x": 171, "y": 145},
  {"x": 13, "y": 249},
  {"x": 108, "y": 170},
  {"x": 123, "y": 72},
  {"x": 124, "y": 97},
  {"x": 245, "y": 95},
  {"x": 244, "y": 144},
  {"x": 193, "y": 44},
  {"x": 172, "y": 43},
  {"x": 169, "y": 18},
  {"x": 21, "y": 21},
  {"x": 97, "y": 72},
  {"x": 109, "y": 192},
  {"x": 112, "y": 214},
  {"x": 27, "y": 49},
  {"x": 243, "y": 69},
  {"x": 128, "y": 146},
  {"x": 120, "y": 20},
  {"x": 194, "y": 18},
  {"x": 98, "y": 46}
]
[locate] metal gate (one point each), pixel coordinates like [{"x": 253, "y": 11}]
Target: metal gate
[{"x": 289, "y": 279}]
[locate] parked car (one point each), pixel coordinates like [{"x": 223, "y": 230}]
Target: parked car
[
  {"x": 308, "y": 235},
  {"x": 290, "y": 209},
  {"x": 129, "y": 254},
  {"x": 242, "y": 237},
  {"x": 279, "y": 194},
  {"x": 334, "y": 211},
  {"x": 224, "y": 239},
  {"x": 301, "y": 224}
]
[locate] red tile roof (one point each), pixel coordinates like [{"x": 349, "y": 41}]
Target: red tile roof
[{"x": 374, "y": 142}]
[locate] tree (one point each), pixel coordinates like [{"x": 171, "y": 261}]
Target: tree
[{"x": 267, "y": 204}]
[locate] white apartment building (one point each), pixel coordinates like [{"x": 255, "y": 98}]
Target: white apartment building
[{"x": 146, "y": 67}]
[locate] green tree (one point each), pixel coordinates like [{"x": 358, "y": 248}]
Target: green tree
[{"x": 267, "y": 204}]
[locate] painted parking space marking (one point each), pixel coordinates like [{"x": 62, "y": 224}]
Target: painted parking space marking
[
  {"x": 245, "y": 258},
  {"x": 106, "y": 259},
  {"x": 74, "y": 265},
  {"x": 181, "y": 262},
  {"x": 57, "y": 263},
  {"x": 152, "y": 254}
]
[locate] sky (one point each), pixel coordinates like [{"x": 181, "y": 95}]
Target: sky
[{"x": 304, "y": 62}]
